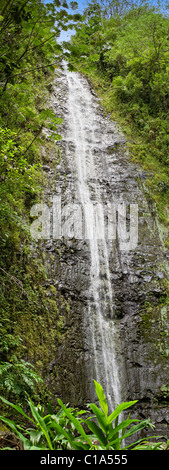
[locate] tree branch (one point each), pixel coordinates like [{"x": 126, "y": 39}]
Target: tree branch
[
  {"x": 6, "y": 6},
  {"x": 38, "y": 132},
  {"x": 24, "y": 72}
]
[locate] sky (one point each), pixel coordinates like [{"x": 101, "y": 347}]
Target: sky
[
  {"x": 82, "y": 4},
  {"x": 65, "y": 35}
]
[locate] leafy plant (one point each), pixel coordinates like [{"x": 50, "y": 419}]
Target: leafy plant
[
  {"x": 29, "y": 55},
  {"x": 108, "y": 431},
  {"x": 51, "y": 431},
  {"x": 126, "y": 60},
  {"x": 18, "y": 377},
  {"x": 65, "y": 429}
]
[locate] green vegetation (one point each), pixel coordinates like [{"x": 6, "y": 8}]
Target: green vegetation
[
  {"x": 123, "y": 48},
  {"x": 29, "y": 55},
  {"x": 65, "y": 429},
  {"x": 125, "y": 53}
]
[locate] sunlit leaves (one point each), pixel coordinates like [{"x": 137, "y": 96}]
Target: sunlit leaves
[
  {"x": 129, "y": 53},
  {"x": 16, "y": 177},
  {"x": 65, "y": 428},
  {"x": 19, "y": 377},
  {"x": 27, "y": 57},
  {"x": 74, "y": 5}
]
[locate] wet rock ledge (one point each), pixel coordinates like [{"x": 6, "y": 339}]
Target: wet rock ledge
[{"x": 139, "y": 278}]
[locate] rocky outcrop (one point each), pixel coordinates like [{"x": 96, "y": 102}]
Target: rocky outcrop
[{"x": 138, "y": 276}]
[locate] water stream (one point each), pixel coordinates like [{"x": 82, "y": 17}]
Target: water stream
[
  {"x": 106, "y": 265},
  {"x": 100, "y": 324}
]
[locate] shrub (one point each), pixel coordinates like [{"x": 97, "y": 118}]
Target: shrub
[{"x": 65, "y": 429}]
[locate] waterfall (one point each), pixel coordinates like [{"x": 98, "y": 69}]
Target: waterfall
[{"x": 82, "y": 133}]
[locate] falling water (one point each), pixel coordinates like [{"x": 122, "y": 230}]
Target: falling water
[{"x": 100, "y": 323}]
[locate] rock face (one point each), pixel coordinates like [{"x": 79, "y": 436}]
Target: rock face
[{"x": 125, "y": 295}]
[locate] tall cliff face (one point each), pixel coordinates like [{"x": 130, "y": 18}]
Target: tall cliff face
[{"x": 115, "y": 323}]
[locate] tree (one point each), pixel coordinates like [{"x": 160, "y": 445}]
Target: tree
[
  {"x": 118, "y": 8},
  {"x": 130, "y": 52},
  {"x": 28, "y": 31},
  {"x": 29, "y": 53}
]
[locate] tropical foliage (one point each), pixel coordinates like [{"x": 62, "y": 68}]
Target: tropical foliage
[
  {"x": 123, "y": 48},
  {"x": 65, "y": 429},
  {"x": 29, "y": 55}
]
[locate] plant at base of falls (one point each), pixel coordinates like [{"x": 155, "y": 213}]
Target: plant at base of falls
[
  {"x": 51, "y": 431},
  {"x": 18, "y": 377},
  {"x": 111, "y": 433},
  {"x": 64, "y": 429}
]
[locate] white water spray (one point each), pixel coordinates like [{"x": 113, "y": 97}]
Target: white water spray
[{"x": 100, "y": 324}]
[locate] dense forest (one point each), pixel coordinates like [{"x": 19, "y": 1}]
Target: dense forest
[
  {"x": 123, "y": 47},
  {"x": 29, "y": 55},
  {"x": 123, "y": 50}
]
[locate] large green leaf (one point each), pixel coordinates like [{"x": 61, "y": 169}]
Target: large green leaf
[
  {"x": 17, "y": 408},
  {"x": 140, "y": 441},
  {"x": 119, "y": 409},
  {"x": 79, "y": 445},
  {"x": 75, "y": 421},
  {"x": 134, "y": 429},
  {"x": 62, "y": 432},
  {"x": 75, "y": 444},
  {"x": 41, "y": 423},
  {"x": 100, "y": 417},
  {"x": 35, "y": 435},
  {"x": 121, "y": 426},
  {"x": 148, "y": 446},
  {"x": 137, "y": 427},
  {"x": 10, "y": 423},
  {"x": 101, "y": 397},
  {"x": 97, "y": 432}
]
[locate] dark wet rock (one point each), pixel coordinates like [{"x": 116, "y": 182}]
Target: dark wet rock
[
  {"x": 137, "y": 277},
  {"x": 46, "y": 168}
]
